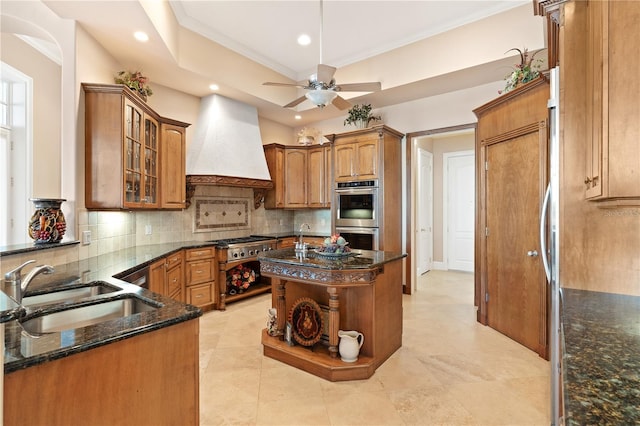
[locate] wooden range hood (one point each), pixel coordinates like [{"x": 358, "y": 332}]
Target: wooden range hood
[{"x": 259, "y": 186}]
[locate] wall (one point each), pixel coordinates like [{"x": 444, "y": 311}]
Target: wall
[{"x": 46, "y": 76}]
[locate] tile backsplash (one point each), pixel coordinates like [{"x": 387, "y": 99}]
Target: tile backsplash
[{"x": 116, "y": 230}]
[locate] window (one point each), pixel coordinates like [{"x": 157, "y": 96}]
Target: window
[{"x": 15, "y": 156}]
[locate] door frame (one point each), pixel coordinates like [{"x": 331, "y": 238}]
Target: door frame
[
  {"x": 410, "y": 188},
  {"x": 445, "y": 200}
]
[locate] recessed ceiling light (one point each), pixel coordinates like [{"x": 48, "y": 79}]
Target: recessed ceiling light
[
  {"x": 141, "y": 36},
  {"x": 298, "y": 117},
  {"x": 214, "y": 87},
  {"x": 304, "y": 40}
]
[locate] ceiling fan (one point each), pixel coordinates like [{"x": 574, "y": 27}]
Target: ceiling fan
[{"x": 322, "y": 88}]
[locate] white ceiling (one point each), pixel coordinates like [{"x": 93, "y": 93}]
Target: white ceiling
[{"x": 265, "y": 32}]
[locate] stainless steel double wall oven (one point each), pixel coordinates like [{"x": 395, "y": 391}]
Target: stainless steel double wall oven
[{"x": 357, "y": 212}]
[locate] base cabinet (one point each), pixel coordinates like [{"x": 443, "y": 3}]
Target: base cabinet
[
  {"x": 149, "y": 379},
  {"x": 201, "y": 270}
]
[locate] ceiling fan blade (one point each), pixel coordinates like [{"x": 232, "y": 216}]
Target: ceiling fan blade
[
  {"x": 359, "y": 87},
  {"x": 341, "y": 103},
  {"x": 325, "y": 73},
  {"x": 296, "y": 102},
  {"x": 301, "y": 86}
]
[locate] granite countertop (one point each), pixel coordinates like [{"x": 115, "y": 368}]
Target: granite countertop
[
  {"x": 357, "y": 259},
  {"x": 601, "y": 360},
  {"x": 296, "y": 234},
  {"x": 23, "y": 351},
  {"x": 9, "y": 309}
]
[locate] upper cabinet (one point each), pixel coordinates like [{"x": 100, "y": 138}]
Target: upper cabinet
[
  {"x": 173, "y": 153},
  {"x": 611, "y": 107},
  {"x": 300, "y": 175},
  {"x": 356, "y": 157},
  {"x": 134, "y": 159}
]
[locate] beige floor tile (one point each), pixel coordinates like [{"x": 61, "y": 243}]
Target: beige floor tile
[{"x": 451, "y": 370}]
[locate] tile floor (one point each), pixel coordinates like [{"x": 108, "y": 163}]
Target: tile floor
[{"x": 450, "y": 371}]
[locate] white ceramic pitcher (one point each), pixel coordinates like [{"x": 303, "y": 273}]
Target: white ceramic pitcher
[{"x": 350, "y": 344}]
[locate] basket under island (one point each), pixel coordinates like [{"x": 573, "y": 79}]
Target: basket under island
[{"x": 361, "y": 291}]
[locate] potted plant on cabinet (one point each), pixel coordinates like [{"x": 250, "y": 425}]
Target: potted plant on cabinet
[
  {"x": 523, "y": 72},
  {"x": 135, "y": 81},
  {"x": 360, "y": 116}
]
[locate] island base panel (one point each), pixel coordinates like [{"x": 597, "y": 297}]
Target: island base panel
[{"x": 317, "y": 361}]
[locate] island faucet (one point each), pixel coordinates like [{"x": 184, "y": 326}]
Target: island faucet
[
  {"x": 301, "y": 244},
  {"x": 15, "y": 286}
]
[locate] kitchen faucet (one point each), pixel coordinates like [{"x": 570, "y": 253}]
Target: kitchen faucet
[
  {"x": 15, "y": 286},
  {"x": 301, "y": 245}
]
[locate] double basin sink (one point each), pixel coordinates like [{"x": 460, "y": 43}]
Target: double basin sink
[{"x": 80, "y": 306}]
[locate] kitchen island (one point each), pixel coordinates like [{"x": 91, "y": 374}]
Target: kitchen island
[{"x": 361, "y": 291}]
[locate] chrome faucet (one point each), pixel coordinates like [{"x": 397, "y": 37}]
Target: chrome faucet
[
  {"x": 15, "y": 286},
  {"x": 301, "y": 244}
]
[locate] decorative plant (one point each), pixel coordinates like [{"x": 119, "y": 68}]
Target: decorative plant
[
  {"x": 361, "y": 115},
  {"x": 135, "y": 81},
  {"x": 525, "y": 71}
]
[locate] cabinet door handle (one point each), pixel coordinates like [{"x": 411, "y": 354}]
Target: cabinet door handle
[
  {"x": 532, "y": 253},
  {"x": 587, "y": 180},
  {"x": 199, "y": 271}
]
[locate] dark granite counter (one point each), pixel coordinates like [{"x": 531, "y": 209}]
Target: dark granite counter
[
  {"x": 287, "y": 234},
  {"x": 23, "y": 351},
  {"x": 9, "y": 309},
  {"x": 601, "y": 360},
  {"x": 356, "y": 259}
]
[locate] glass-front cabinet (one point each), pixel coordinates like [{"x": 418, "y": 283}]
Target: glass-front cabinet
[
  {"x": 123, "y": 143},
  {"x": 141, "y": 158}
]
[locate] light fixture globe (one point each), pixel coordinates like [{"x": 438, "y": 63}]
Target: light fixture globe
[{"x": 321, "y": 98}]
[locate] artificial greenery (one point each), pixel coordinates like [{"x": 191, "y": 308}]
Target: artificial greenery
[
  {"x": 135, "y": 81},
  {"x": 523, "y": 72},
  {"x": 361, "y": 113}
]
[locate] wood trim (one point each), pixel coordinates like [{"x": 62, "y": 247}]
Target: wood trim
[
  {"x": 219, "y": 180},
  {"x": 524, "y": 130}
]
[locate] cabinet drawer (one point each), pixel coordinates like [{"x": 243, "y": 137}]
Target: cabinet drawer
[
  {"x": 200, "y": 295},
  {"x": 200, "y": 271},
  {"x": 174, "y": 259},
  {"x": 201, "y": 253}
]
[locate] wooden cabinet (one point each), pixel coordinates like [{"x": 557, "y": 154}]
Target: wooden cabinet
[
  {"x": 319, "y": 177},
  {"x": 296, "y": 161},
  {"x": 612, "y": 166},
  {"x": 157, "y": 276},
  {"x": 356, "y": 158},
  {"x": 286, "y": 242},
  {"x": 149, "y": 379},
  {"x": 301, "y": 177},
  {"x": 274, "y": 198},
  {"x": 125, "y": 153},
  {"x": 174, "y": 286},
  {"x": 173, "y": 159},
  {"x": 201, "y": 274},
  {"x": 369, "y": 154}
]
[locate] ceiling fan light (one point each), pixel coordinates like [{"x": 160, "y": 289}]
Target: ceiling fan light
[{"x": 321, "y": 98}]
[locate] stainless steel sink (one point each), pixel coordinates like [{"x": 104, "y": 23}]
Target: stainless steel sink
[
  {"x": 82, "y": 316},
  {"x": 70, "y": 294}
]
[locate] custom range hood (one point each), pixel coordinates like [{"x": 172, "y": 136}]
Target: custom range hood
[{"x": 227, "y": 148}]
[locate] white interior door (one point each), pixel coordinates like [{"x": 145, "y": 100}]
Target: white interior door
[
  {"x": 424, "y": 215},
  {"x": 459, "y": 178}
]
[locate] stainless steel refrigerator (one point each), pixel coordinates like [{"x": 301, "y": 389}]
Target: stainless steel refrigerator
[{"x": 550, "y": 245}]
